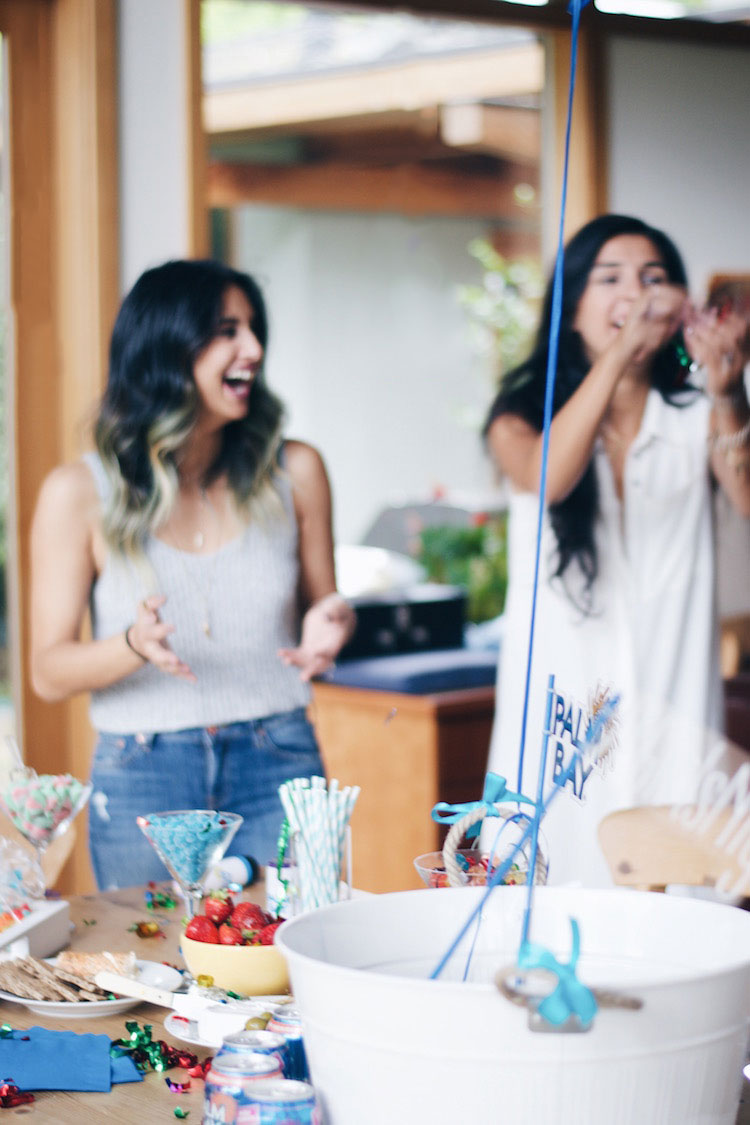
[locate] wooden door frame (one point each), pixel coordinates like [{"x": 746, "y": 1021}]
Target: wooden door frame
[{"x": 63, "y": 284}]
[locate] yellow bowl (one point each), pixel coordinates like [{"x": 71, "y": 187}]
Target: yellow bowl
[{"x": 249, "y": 970}]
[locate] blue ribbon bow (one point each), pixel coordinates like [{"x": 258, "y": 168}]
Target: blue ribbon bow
[
  {"x": 569, "y": 997},
  {"x": 495, "y": 793}
]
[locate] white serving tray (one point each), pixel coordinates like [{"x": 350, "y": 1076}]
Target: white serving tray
[{"x": 42, "y": 933}]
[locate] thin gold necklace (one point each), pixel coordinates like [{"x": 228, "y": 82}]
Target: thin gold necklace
[{"x": 199, "y": 540}]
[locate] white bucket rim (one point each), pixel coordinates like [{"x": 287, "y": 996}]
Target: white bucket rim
[{"x": 676, "y": 903}]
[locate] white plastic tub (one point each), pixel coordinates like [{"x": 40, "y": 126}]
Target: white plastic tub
[{"x": 389, "y": 1046}]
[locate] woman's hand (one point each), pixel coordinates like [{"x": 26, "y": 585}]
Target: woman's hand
[
  {"x": 653, "y": 319},
  {"x": 147, "y": 637},
  {"x": 326, "y": 627},
  {"x": 720, "y": 344}
]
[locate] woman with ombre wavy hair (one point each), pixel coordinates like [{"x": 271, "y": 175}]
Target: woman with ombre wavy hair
[
  {"x": 650, "y": 419},
  {"x": 201, "y": 542}
]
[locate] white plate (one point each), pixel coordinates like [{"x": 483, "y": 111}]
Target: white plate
[
  {"x": 186, "y": 1030},
  {"x": 149, "y": 972}
]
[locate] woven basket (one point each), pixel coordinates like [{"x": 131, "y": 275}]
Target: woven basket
[{"x": 453, "y": 868}]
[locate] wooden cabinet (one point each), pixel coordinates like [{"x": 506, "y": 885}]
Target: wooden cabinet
[{"x": 406, "y": 752}]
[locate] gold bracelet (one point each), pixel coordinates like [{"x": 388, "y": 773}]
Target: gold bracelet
[{"x": 131, "y": 647}]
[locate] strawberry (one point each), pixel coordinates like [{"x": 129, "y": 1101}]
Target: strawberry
[
  {"x": 218, "y": 906},
  {"x": 201, "y": 928},
  {"x": 249, "y": 916},
  {"x": 268, "y": 933},
  {"x": 228, "y": 935}
]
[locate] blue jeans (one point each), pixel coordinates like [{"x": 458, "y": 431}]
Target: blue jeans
[{"x": 235, "y": 768}]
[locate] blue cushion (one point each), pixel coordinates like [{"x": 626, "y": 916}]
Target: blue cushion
[{"x": 419, "y": 673}]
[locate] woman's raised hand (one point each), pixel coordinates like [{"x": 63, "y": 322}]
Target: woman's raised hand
[
  {"x": 326, "y": 627},
  {"x": 720, "y": 344},
  {"x": 147, "y": 637},
  {"x": 653, "y": 319}
]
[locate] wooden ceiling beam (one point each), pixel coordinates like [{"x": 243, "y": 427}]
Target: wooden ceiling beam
[
  {"x": 503, "y": 130},
  {"x": 555, "y": 16},
  {"x": 409, "y": 189},
  {"x": 408, "y": 86}
]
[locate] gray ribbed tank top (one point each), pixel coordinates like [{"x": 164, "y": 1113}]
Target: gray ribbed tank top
[{"x": 248, "y": 590}]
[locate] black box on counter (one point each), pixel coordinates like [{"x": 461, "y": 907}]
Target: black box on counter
[{"x": 414, "y": 618}]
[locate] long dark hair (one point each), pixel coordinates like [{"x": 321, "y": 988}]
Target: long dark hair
[
  {"x": 150, "y": 404},
  {"x": 522, "y": 390}
]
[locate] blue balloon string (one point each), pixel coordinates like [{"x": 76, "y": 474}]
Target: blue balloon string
[
  {"x": 593, "y": 734},
  {"x": 532, "y": 831},
  {"x": 554, "y": 342}
]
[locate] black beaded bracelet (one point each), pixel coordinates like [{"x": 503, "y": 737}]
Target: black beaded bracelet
[{"x": 132, "y": 649}]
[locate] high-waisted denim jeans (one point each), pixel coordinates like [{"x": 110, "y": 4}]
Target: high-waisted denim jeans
[{"x": 235, "y": 768}]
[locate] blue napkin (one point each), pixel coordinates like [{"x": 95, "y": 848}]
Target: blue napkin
[{"x": 38, "y": 1059}]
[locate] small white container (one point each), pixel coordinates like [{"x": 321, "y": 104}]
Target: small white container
[{"x": 386, "y": 1043}]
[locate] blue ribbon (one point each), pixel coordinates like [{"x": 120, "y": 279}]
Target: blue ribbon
[
  {"x": 495, "y": 793},
  {"x": 570, "y": 997},
  {"x": 574, "y": 8}
]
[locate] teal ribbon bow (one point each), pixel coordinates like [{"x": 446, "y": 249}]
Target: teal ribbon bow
[
  {"x": 569, "y": 997},
  {"x": 495, "y": 793}
]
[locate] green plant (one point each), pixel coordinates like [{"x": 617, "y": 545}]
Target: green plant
[
  {"x": 474, "y": 557},
  {"x": 503, "y": 309}
]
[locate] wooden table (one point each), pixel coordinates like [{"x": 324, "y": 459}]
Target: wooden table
[
  {"x": 135, "y": 1103},
  {"x": 102, "y": 921},
  {"x": 407, "y": 752}
]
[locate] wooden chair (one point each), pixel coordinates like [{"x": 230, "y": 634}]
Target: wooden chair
[{"x": 651, "y": 847}]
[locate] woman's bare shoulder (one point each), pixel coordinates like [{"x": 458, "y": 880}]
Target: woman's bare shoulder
[
  {"x": 70, "y": 488},
  {"x": 303, "y": 461}
]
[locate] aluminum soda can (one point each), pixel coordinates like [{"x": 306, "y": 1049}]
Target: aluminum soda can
[
  {"x": 285, "y": 1020},
  {"x": 258, "y": 1043},
  {"x": 228, "y": 1085},
  {"x": 281, "y": 1102}
]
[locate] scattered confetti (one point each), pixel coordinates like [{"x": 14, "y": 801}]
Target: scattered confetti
[
  {"x": 177, "y": 1087},
  {"x": 145, "y": 1052},
  {"x": 11, "y": 1096},
  {"x": 146, "y": 929},
  {"x": 200, "y": 1070},
  {"x": 180, "y": 1112},
  {"x": 158, "y": 900}
]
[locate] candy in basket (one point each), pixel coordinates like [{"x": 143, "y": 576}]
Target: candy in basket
[{"x": 473, "y": 865}]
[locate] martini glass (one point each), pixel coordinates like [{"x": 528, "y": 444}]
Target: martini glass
[
  {"x": 42, "y": 806},
  {"x": 189, "y": 842}
]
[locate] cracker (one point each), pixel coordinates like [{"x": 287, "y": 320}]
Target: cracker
[
  {"x": 21, "y": 983},
  {"x": 32, "y": 979},
  {"x": 67, "y": 985},
  {"x": 86, "y": 990}
]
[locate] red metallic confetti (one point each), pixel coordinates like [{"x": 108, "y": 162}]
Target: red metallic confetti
[
  {"x": 11, "y": 1096},
  {"x": 200, "y": 1070}
]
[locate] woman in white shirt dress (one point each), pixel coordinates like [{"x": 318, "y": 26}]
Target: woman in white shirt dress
[{"x": 626, "y": 600}]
